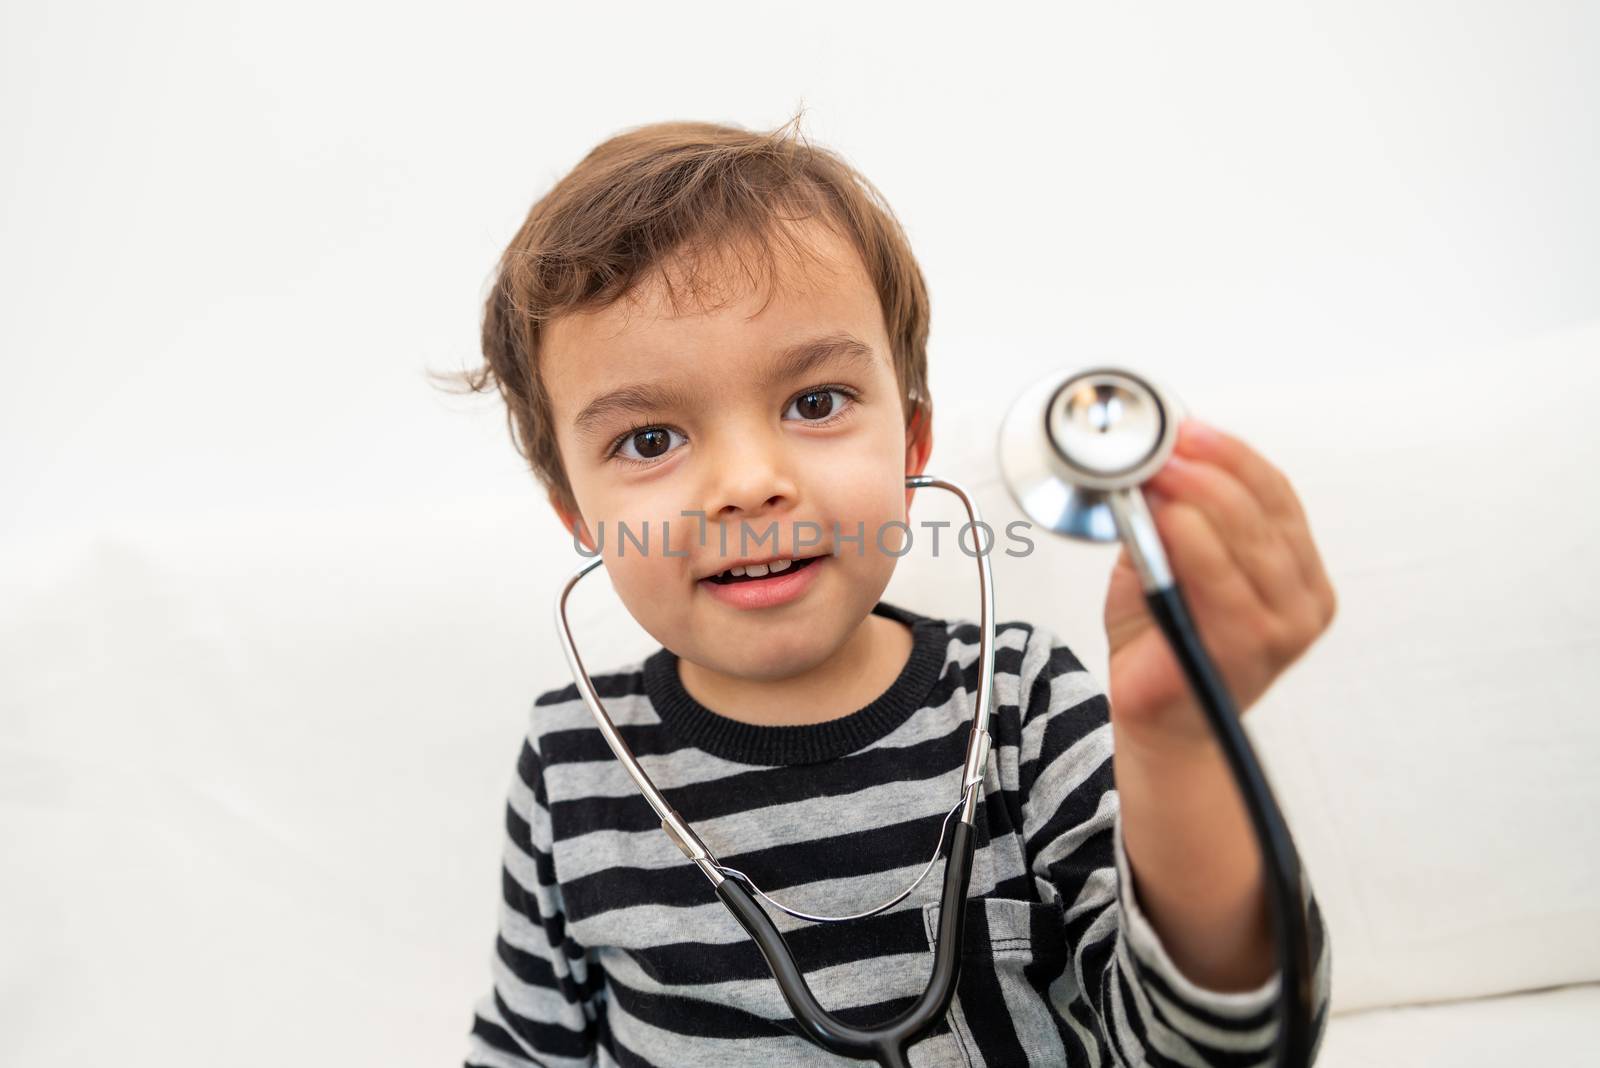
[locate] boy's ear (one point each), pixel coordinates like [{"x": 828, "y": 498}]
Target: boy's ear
[
  {"x": 571, "y": 520},
  {"x": 919, "y": 442},
  {"x": 919, "y": 438}
]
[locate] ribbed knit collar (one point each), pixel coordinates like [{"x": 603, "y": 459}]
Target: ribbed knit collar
[{"x": 750, "y": 743}]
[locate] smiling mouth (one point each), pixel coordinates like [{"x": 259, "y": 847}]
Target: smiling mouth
[{"x": 727, "y": 578}]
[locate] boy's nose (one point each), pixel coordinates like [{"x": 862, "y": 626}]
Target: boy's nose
[{"x": 751, "y": 477}]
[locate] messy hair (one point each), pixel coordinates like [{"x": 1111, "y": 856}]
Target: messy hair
[{"x": 673, "y": 191}]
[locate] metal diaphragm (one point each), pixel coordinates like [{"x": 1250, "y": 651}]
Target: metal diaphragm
[{"x": 1071, "y": 438}]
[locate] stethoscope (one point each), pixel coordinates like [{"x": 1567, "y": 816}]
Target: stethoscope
[{"x": 1074, "y": 450}]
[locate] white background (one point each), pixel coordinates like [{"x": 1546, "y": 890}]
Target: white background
[
  {"x": 236, "y": 234},
  {"x": 274, "y": 606}
]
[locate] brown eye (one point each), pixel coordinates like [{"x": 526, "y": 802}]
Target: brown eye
[
  {"x": 815, "y": 405},
  {"x": 651, "y": 443},
  {"x": 645, "y": 445}
]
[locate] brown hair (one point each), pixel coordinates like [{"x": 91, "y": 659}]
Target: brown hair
[{"x": 672, "y": 189}]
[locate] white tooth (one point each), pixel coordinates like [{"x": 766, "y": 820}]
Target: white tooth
[
  {"x": 755, "y": 570},
  {"x": 779, "y": 565},
  {"x": 735, "y": 571}
]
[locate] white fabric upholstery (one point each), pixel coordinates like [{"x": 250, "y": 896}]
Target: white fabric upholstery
[{"x": 1540, "y": 1027}]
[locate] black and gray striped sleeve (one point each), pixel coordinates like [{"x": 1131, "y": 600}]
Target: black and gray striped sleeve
[
  {"x": 1147, "y": 1011},
  {"x": 541, "y": 1008}
]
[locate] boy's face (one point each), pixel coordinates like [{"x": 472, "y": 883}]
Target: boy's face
[{"x": 785, "y": 418}]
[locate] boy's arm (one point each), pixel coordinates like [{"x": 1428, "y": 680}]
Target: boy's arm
[
  {"x": 1195, "y": 864},
  {"x": 1239, "y": 542},
  {"x": 541, "y": 1008},
  {"x": 1146, "y": 1007}
]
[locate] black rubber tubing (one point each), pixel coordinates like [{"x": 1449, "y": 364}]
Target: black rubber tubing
[
  {"x": 886, "y": 1044},
  {"x": 1280, "y": 863}
]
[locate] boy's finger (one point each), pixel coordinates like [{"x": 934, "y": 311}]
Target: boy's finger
[
  {"x": 1256, "y": 544},
  {"x": 1202, "y": 564},
  {"x": 1269, "y": 485}
]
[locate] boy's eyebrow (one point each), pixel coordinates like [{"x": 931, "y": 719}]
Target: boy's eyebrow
[
  {"x": 790, "y": 363},
  {"x": 639, "y": 397},
  {"x": 803, "y": 358}
]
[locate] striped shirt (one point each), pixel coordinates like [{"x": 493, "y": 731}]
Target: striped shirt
[{"x": 613, "y": 949}]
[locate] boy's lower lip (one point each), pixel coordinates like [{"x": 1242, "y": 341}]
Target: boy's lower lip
[{"x": 767, "y": 592}]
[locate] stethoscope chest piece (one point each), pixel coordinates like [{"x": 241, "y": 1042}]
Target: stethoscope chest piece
[{"x": 1073, "y": 438}]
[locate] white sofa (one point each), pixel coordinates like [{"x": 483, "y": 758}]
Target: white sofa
[{"x": 252, "y": 767}]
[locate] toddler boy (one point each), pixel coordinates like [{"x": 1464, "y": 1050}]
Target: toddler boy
[{"x": 712, "y": 345}]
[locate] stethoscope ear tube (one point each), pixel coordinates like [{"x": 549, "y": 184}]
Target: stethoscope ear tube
[
  {"x": 888, "y": 1043},
  {"x": 1280, "y": 862}
]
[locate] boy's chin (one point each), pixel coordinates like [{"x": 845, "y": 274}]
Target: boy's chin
[{"x": 765, "y": 657}]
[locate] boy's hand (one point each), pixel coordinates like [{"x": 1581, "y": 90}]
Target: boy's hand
[{"x": 1242, "y": 555}]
